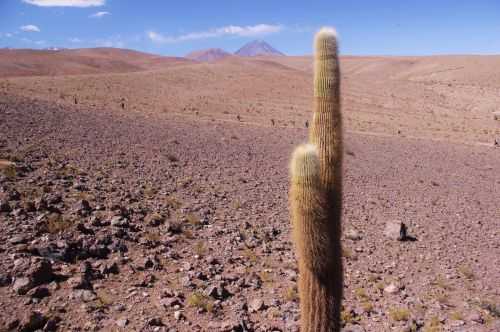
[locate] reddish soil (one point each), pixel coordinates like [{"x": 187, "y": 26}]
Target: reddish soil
[{"x": 158, "y": 202}]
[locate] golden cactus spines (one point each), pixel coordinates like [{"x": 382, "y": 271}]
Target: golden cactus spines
[
  {"x": 316, "y": 197},
  {"x": 326, "y": 126},
  {"x": 309, "y": 227}
]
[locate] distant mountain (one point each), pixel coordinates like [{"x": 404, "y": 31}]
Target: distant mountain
[
  {"x": 211, "y": 54},
  {"x": 257, "y": 47}
]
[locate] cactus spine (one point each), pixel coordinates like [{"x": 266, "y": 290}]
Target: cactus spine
[{"x": 316, "y": 197}]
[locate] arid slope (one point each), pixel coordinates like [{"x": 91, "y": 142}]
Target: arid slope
[{"x": 158, "y": 199}]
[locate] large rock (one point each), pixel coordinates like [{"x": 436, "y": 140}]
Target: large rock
[{"x": 40, "y": 272}]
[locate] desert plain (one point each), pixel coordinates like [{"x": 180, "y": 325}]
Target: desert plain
[{"x": 148, "y": 193}]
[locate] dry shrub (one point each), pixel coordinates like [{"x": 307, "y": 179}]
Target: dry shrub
[
  {"x": 399, "y": 314},
  {"x": 200, "y": 301},
  {"x": 56, "y": 223}
]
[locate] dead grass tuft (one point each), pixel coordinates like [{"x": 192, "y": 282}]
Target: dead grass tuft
[
  {"x": 399, "y": 314},
  {"x": 200, "y": 301}
]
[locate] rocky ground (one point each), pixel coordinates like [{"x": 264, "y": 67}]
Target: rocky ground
[{"x": 117, "y": 221}]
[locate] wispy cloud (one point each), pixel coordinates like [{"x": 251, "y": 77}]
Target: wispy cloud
[
  {"x": 230, "y": 30},
  {"x": 75, "y": 40},
  {"x": 113, "y": 41},
  {"x": 66, "y": 3},
  {"x": 99, "y": 14},
  {"x": 30, "y": 28}
]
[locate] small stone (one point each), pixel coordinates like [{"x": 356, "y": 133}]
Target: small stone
[
  {"x": 395, "y": 230},
  {"x": 79, "y": 282},
  {"x": 169, "y": 302},
  {"x": 52, "y": 324},
  {"x": 119, "y": 221},
  {"x": 39, "y": 292},
  {"x": 33, "y": 321},
  {"x": 256, "y": 305},
  {"x": 475, "y": 317},
  {"x": 177, "y": 315},
  {"x": 353, "y": 235},
  {"x": 391, "y": 289},
  {"x": 13, "y": 195},
  {"x": 156, "y": 321},
  {"x": 155, "y": 219},
  {"x": 109, "y": 268},
  {"x": 12, "y": 324},
  {"x": 22, "y": 285},
  {"x": 5, "y": 206},
  {"x": 5, "y": 279},
  {"x": 217, "y": 292},
  {"x": 84, "y": 295},
  {"x": 18, "y": 239},
  {"x": 122, "y": 322}
]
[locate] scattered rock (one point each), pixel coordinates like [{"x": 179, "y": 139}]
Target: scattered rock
[
  {"x": 22, "y": 285},
  {"x": 5, "y": 206},
  {"x": 218, "y": 292},
  {"x": 391, "y": 289},
  {"x": 5, "y": 279},
  {"x": 156, "y": 321},
  {"x": 84, "y": 295},
  {"x": 109, "y": 268},
  {"x": 33, "y": 321},
  {"x": 154, "y": 219},
  {"x": 395, "y": 230},
  {"x": 80, "y": 282},
  {"x": 18, "y": 239},
  {"x": 119, "y": 221},
  {"x": 475, "y": 317},
  {"x": 256, "y": 305},
  {"x": 52, "y": 324},
  {"x": 39, "y": 292},
  {"x": 353, "y": 235},
  {"x": 122, "y": 322},
  {"x": 177, "y": 315},
  {"x": 40, "y": 271}
]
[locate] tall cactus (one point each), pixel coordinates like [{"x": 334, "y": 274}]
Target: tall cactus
[{"x": 316, "y": 197}]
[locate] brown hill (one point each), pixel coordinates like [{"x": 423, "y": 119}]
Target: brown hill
[{"x": 27, "y": 62}]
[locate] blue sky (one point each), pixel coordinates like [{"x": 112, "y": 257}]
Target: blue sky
[{"x": 387, "y": 27}]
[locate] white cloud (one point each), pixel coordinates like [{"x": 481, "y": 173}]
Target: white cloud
[
  {"x": 8, "y": 35},
  {"x": 99, "y": 14},
  {"x": 75, "y": 40},
  {"x": 30, "y": 28},
  {"x": 230, "y": 30},
  {"x": 66, "y": 3},
  {"x": 114, "y": 41}
]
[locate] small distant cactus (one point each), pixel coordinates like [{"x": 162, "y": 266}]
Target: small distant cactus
[{"x": 316, "y": 197}]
